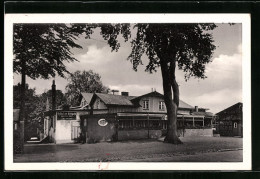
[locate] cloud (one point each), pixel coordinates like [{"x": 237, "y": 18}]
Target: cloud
[
  {"x": 219, "y": 100},
  {"x": 222, "y": 88}
]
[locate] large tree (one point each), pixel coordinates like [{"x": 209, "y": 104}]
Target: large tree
[
  {"x": 40, "y": 51},
  {"x": 185, "y": 46},
  {"x": 85, "y": 81},
  {"x": 188, "y": 47}
]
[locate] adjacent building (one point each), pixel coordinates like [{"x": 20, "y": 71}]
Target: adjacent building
[{"x": 230, "y": 121}]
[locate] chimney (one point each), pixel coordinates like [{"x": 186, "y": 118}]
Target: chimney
[
  {"x": 125, "y": 93},
  {"x": 196, "y": 109},
  {"x": 114, "y": 91},
  {"x": 53, "y": 90}
]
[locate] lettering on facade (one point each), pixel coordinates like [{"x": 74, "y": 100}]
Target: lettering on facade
[{"x": 66, "y": 115}]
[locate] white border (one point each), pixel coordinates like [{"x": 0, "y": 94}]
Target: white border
[{"x": 129, "y": 18}]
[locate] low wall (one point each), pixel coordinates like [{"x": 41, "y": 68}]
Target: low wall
[
  {"x": 138, "y": 134},
  {"x": 198, "y": 132}
]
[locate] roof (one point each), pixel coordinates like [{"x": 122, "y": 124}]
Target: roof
[
  {"x": 206, "y": 114},
  {"x": 182, "y": 104},
  {"x": 16, "y": 114},
  {"x": 87, "y": 96},
  {"x": 110, "y": 99},
  {"x": 237, "y": 105}
]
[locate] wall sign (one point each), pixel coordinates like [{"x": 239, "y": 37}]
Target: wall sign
[
  {"x": 66, "y": 115},
  {"x": 102, "y": 122}
]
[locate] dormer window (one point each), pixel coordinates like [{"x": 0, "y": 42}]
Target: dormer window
[
  {"x": 161, "y": 105},
  {"x": 146, "y": 104}
]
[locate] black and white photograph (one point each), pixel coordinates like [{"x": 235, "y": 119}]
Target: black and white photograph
[{"x": 127, "y": 92}]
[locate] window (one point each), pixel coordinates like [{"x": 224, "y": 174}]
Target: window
[
  {"x": 161, "y": 106},
  {"x": 97, "y": 103},
  {"x": 146, "y": 104},
  {"x": 125, "y": 124},
  {"x": 235, "y": 125}
]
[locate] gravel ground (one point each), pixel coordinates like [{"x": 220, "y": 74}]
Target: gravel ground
[{"x": 130, "y": 150}]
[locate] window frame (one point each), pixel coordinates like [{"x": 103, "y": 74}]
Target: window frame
[
  {"x": 235, "y": 125},
  {"x": 161, "y": 106},
  {"x": 146, "y": 105}
]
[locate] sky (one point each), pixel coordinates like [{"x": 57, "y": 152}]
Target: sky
[{"x": 221, "y": 89}]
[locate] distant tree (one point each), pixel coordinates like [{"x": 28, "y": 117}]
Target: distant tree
[
  {"x": 185, "y": 46},
  {"x": 31, "y": 101},
  {"x": 85, "y": 81},
  {"x": 60, "y": 98}
]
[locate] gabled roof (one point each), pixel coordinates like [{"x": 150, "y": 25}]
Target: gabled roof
[
  {"x": 87, "y": 96},
  {"x": 237, "y": 105},
  {"x": 182, "y": 104},
  {"x": 110, "y": 99}
]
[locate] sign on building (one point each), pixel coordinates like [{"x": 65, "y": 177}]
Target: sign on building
[
  {"x": 102, "y": 122},
  {"x": 66, "y": 115}
]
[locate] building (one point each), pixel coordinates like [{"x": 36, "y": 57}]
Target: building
[
  {"x": 110, "y": 117},
  {"x": 62, "y": 125},
  {"x": 123, "y": 117},
  {"x": 230, "y": 121}
]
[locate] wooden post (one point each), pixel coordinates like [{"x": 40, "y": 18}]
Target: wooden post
[
  {"x": 148, "y": 125},
  {"x": 133, "y": 122},
  {"x": 193, "y": 123},
  {"x": 203, "y": 121},
  {"x": 183, "y": 127},
  {"x": 116, "y": 125}
]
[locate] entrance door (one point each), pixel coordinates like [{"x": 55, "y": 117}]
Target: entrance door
[
  {"x": 75, "y": 130},
  {"x": 237, "y": 129}
]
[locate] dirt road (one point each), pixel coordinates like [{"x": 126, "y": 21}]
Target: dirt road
[{"x": 206, "y": 149}]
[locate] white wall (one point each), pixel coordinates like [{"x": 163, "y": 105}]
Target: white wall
[{"x": 64, "y": 128}]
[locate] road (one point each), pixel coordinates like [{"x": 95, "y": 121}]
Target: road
[
  {"x": 206, "y": 149},
  {"x": 228, "y": 156}
]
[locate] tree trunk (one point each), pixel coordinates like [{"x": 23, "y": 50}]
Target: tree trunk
[{"x": 171, "y": 98}]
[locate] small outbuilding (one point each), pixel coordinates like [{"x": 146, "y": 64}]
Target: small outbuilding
[{"x": 230, "y": 121}]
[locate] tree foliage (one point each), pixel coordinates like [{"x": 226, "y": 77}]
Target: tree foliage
[
  {"x": 85, "y": 81},
  {"x": 186, "y": 46},
  {"x": 39, "y": 51},
  {"x": 43, "y": 48}
]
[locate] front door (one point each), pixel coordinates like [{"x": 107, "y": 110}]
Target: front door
[{"x": 75, "y": 131}]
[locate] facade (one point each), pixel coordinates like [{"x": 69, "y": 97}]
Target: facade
[
  {"x": 230, "y": 121},
  {"x": 140, "y": 117},
  {"x": 63, "y": 126},
  {"x": 109, "y": 117}
]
